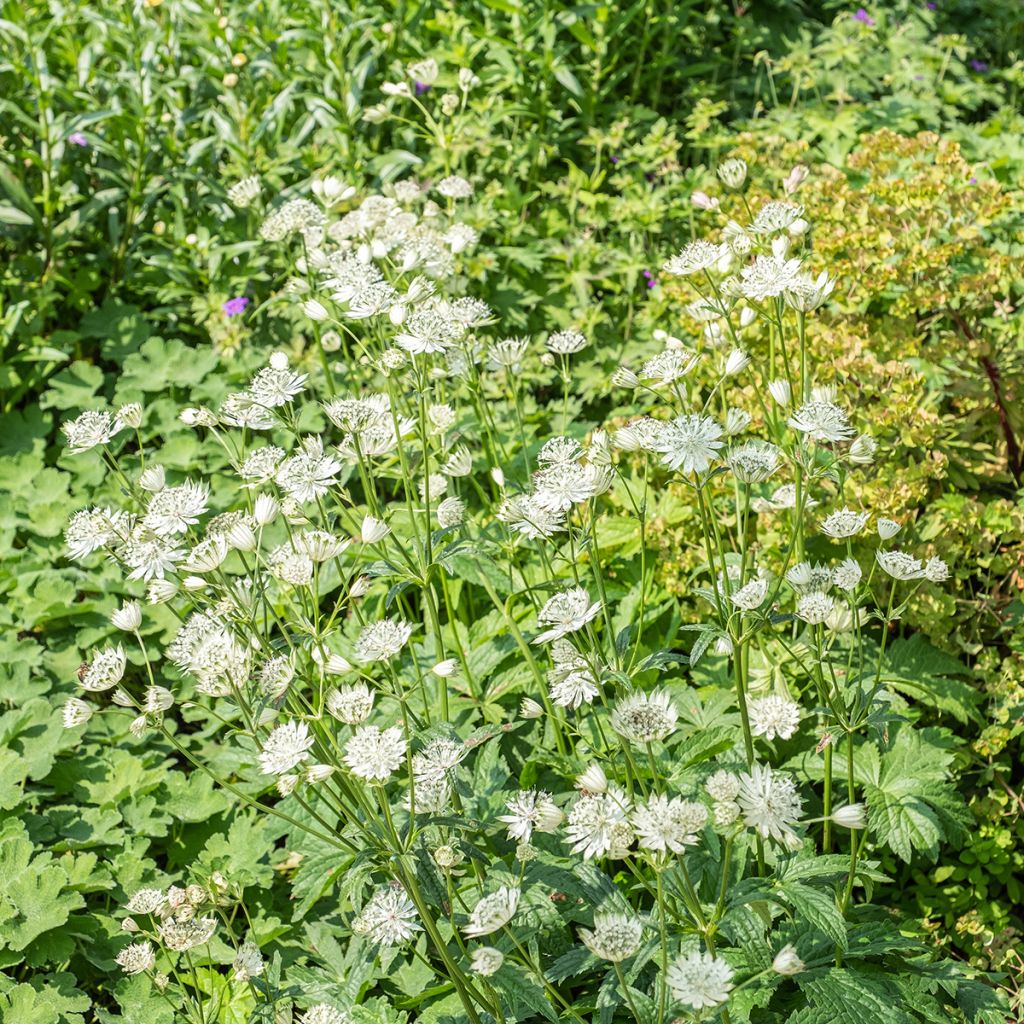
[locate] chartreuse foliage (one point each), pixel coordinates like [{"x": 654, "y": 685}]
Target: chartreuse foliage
[{"x": 122, "y": 132}]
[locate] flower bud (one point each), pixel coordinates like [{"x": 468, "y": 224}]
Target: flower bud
[
  {"x": 130, "y": 415},
  {"x": 593, "y": 779},
  {"x": 530, "y": 708},
  {"x": 787, "y": 963},
  {"x": 851, "y": 816},
  {"x": 152, "y": 479},
  {"x": 266, "y": 509},
  {"x": 446, "y": 668},
  {"x": 128, "y": 617}
]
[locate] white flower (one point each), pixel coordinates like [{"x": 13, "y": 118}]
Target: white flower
[
  {"x": 136, "y": 958},
  {"x": 733, "y": 172},
  {"x": 887, "y": 528},
  {"x": 455, "y": 187},
  {"x": 690, "y": 443},
  {"x": 566, "y": 343},
  {"x": 787, "y": 963},
  {"x": 781, "y": 391},
  {"x": 245, "y": 192},
  {"x": 936, "y": 570},
  {"x": 899, "y": 565},
  {"x": 768, "y": 277},
  {"x": 322, "y": 1013},
  {"x": 847, "y": 574},
  {"x": 844, "y": 523},
  {"x": 615, "y": 936},
  {"x": 850, "y": 816},
  {"x": 486, "y": 960},
  {"x": 669, "y": 825},
  {"x": 645, "y": 717},
  {"x": 492, "y": 913},
  {"x": 769, "y": 802},
  {"x": 821, "y": 419},
  {"x": 751, "y": 595},
  {"x": 128, "y": 617},
  {"x": 566, "y": 613},
  {"x": 695, "y": 257},
  {"x": 755, "y": 461},
  {"x": 285, "y": 748},
  {"x": 598, "y": 824},
  {"x": 723, "y": 785},
  {"x": 382, "y": 640},
  {"x": 89, "y": 430},
  {"x": 531, "y": 810},
  {"x": 75, "y": 712},
  {"x": 814, "y": 607},
  {"x": 105, "y": 671},
  {"x": 374, "y": 754},
  {"x": 773, "y": 716},
  {"x": 593, "y": 779},
  {"x": 174, "y": 509},
  {"x": 389, "y": 919},
  {"x": 699, "y": 980},
  {"x": 248, "y": 962}
]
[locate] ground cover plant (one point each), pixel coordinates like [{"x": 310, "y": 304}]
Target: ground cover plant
[{"x": 510, "y": 541}]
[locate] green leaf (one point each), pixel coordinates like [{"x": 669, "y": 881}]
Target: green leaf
[
  {"x": 817, "y": 907},
  {"x": 843, "y": 996}
]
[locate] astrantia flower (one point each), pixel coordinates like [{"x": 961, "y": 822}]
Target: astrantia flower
[
  {"x": 847, "y": 574},
  {"x": 382, "y": 640},
  {"x": 528, "y": 516},
  {"x": 322, "y": 1013},
  {"x": 351, "y": 704},
  {"x": 690, "y": 443},
  {"x": 248, "y": 962},
  {"x": 805, "y": 576},
  {"x": 773, "y": 716},
  {"x": 768, "y": 277},
  {"x": 775, "y": 216},
  {"x": 669, "y": 825},
  {"x": 436, "y": 761},
  {"x": 455, "y": 187},
  {"x": 733, "y": 172},
  {"x": 507, "y": 352},
  {"x": 754, "y": 462},
  {"x": 669, "y": 366},
  {"x": 899, "y": 565},
  {"x": 375, "y": 754},
  {"x": 787, "y": 962},
  {"x": 308, "y": 474},
  {"x": 105, "y": 670},
  {"x": 844, "y": 523},
  {"x": 751, "y": 595},
  {"x": 814, "y": 607},
  {"x": 486, "y": 960},
  {"x": 531, "y": 810},
  {"x": 566, "y": 343},
  {"x": 695, "y": 257},
  {"x": 807, "y": 293},
  {"x": 389, "y": 919},
  {"x": 285, "y": 748},
  {"x": 273, "y": 387},
  {"x": 936, "y": 570},
  {"x": 145, "y": 901},
  {"x": 699, "y": 980},
  {"x": 89, "y": 430},
  {"x": 136, "y": 958},
  {"x": 769, "y": 802},
  {"x": 175, "y": 509},
  {"x": 75, "y": 712},
  {"x": 243, "y": 193},
  {"x": 450, "y": 512},
  {"x": 92, "y": 529},
  {"x": 645, "y": 717},
  {"x": 181, "y": 935},
  {"x": 599, "y": 824},
  {"x": 821, "y": 419},
  {"x": 565, "y": 613},
  {"x": 492, "y": 913},
  {"x": 850, "y": 816},
  {"x": 723, "y": 785},
  {"x": 615, "y": 936}
]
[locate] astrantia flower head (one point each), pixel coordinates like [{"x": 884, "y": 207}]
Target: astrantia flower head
[
  {"x": 245, "y": 192},
  {"x": 455, "y": 187},
  {"x": 375, "y": 754},
  {"x": 89, "y": 430},
  {"x": 531, "y": 810},
  {"x": 733, "y": 172},
  {"x": 486, "y": 960},
  {"x": 136, "y": 958},
  {"x": 184, "y": 933},
  {"x": 769, "y": 802},
  {"x": 754, "y": 462},
  {"x": 669, "y": 366},
  {"x": 787, "y": 963},
  {"x": 351, "y": 704},
  {"x": 669, "y": 824},
  {"x": 248, "y": 962},
  {"x": 806, "y": 576},
  {"x": 615, "y": 936},
  {"x": 936, "y": 570},
  {"x": 814, "y": 607},
  {"x": 899, "y": 565},
  {"x": 91, "y": 529},
  {"x": 492, "y": 913},
  {"x": 273, "y": 387},
  {"x": 286, "y": 747},
  {"x": 566, "y": 343},
  {"x": 699, "y": 980},
  {"x": 723, "y": 785},
  {"x": 844, "y": 523},
  {"x": 751, "y": 595},
  {"x": 389, "y": 919},
  {"x": 566, "y": 613},
  {"x": 821, "y": 419},
  {"x": 174, "y": 509},
  {"x": 690, "y": 443},
  {"x": 323, "y": 1013},
  {"x": 768, "y": 277},
  {"x": 847, "y": 574},
  {"x": 645, "y": 717},
  {"x": 695, "y": 257},
  {"x": 105, "y": 670},
  {"x": 75, "y": 712},
  {"x": 382, "y": 640},
  {"x": 775, "y": 216},
  {"x": 773, "y": 716},
  {"x": 599, "y": 824}
]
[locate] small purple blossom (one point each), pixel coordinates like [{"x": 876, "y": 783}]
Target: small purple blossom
[
  {"x": 973, "y": 181},
  {"x": 652, "y": 281},
  {"x": 863, "y": 16},
  {"x": 979, "y": 65},
  {"x": 235, "y": 306},
  {"x": 421, "y": 88},
  {"x": 931, "y": 5},
  {"x": 614, "y": 159},
  {"x": 78, "y": 139}
]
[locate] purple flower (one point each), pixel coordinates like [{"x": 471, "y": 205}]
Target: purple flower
[
  {"x": 652, "y": 281},
  {"x": 864, "y": 17},
  {"x": 421, "y": 88},
  {"x": 932, "y": 6},
  {"x": 235, "y": 306},
  {"x": 973, "y": 181},
  {"x": 78, "y": 139},
  {"x": 614, "y": 159},
  {"x": 979, "y": 66}
]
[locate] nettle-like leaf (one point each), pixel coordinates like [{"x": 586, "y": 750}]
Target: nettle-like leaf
[
  {"x": 841, "y": 995},
  {"x": 931, "y": 677},
  {"x": 912, "y": 803}
]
